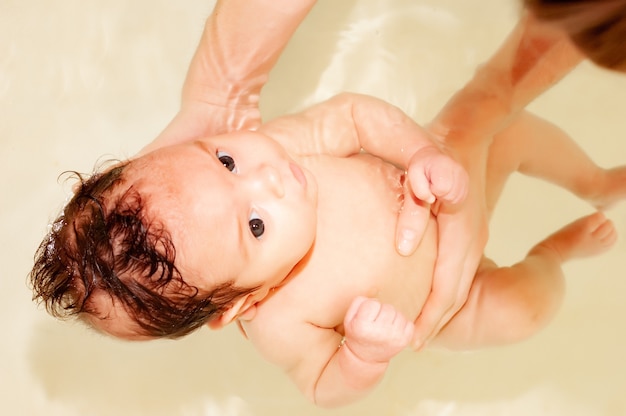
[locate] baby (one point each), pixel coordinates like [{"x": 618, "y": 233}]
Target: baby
[
  {"x": 253, "y": 227},
  {"x": 259, "y": 228}
]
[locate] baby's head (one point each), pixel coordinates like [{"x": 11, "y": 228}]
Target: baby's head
[{"x": 184, "y": 236}]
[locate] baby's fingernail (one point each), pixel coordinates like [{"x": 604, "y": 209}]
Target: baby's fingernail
[{"x": 407, "y": 239}]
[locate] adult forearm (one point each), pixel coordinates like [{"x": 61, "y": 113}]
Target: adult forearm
[
  {"x": 241, "y": 42},
  {"x": 533, "y": 58}
]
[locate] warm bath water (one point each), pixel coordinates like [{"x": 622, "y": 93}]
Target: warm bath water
[{"x": 80, "y": 80}]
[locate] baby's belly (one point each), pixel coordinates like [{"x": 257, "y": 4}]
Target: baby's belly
[{"x": 359, "y": 201}]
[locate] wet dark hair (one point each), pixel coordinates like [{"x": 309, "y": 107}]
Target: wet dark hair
[
  {"x": 596, "y": 27},
  {"x": 102, "y": 244}
]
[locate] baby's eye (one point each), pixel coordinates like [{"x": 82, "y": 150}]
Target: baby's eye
[
  {"x": 257, "y": 227},
  {"x": 227, "y": 160}
]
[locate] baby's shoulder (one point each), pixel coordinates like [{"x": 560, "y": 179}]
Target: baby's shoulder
[{"x": 282, "y": 327}]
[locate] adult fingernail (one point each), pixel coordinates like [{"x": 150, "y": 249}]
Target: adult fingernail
[{"x": 407, "y": 239}]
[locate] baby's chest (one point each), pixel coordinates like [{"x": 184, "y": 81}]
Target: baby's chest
[
  {"x": 348, "y": 268},
  {"x": 354, "y": 252}
]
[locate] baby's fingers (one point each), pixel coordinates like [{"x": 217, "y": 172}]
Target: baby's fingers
[
  {"x": 420, "y": 185},
  {"x": 362, "y": 309},
  {"x": 448, "y": 180},
  {"x": 396, "y": 331}
]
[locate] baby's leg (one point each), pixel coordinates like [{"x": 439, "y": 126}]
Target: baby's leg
[
  {"x": 508, "y": 304},
  {"x": 535, "y": 147}
]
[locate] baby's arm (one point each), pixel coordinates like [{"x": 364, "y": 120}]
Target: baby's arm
[
  {"x": 347, "y": 123},
  {"x": 241, "y": 42},
  {"x": 375, "y": 333},
  {"x": 328, "y": 369},
  {"x": 384, "y": 130}
]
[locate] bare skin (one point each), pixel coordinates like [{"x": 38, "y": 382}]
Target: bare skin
[
  {"x": 333, "y": 320},
  {"x": 241, "y": 42},
  {"x": 587, "y": 236},
  {"x": 338, "y": 306}
]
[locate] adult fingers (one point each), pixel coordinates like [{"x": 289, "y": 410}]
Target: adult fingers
[{"x": 412, "y": 221}]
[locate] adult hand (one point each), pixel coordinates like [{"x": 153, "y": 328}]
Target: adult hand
[
  {"x": 210, "y": 117},
  {"x": 241, "y": 42},
  {"x": 462, "y": 231},
  {"x": 463, "y": 234}
]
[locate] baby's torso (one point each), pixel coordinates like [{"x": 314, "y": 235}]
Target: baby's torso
[{"x": 354, "y": 252}]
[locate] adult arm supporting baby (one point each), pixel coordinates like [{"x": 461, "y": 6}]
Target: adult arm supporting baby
[
  {"x": 241, "y": 42},
  {"x": 532, "y": 58}
]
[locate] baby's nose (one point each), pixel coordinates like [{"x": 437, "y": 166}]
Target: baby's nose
[{"x": 268, "y": 179}]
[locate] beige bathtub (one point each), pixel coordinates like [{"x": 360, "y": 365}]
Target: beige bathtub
[{"x": 82, "y": 80}]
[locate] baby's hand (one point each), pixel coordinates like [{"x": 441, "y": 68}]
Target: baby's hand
[
  {"x": 375, "y": 332},
  {"x": 433, "y": 175}
]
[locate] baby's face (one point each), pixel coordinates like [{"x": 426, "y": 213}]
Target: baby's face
[{"x": 236, "y": 206}]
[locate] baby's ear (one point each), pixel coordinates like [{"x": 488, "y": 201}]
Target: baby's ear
[{"x": 244, "y": 306}]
